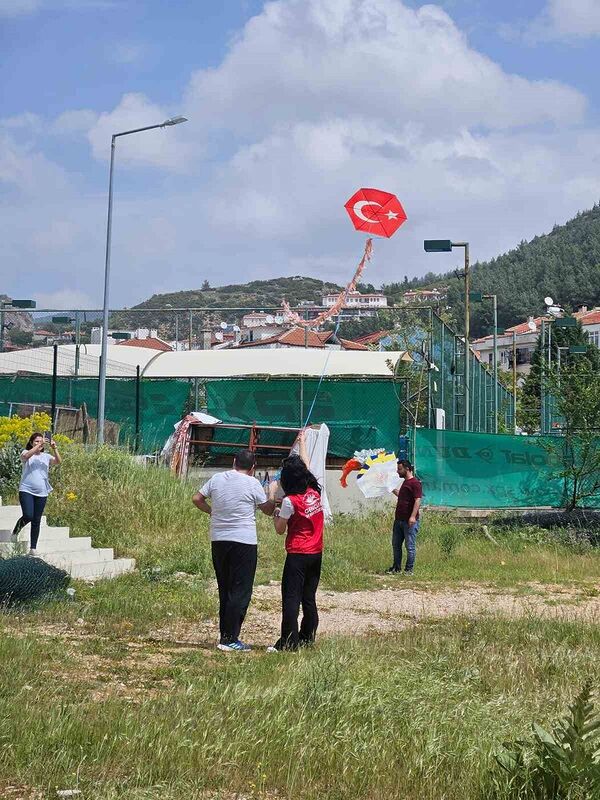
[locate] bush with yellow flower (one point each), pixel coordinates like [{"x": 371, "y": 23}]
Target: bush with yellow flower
[
  {"x": 14, "y": 435},
  {"x": 19, "y": 429}
]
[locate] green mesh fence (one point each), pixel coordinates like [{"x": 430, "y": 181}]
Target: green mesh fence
[
  {"x": 359, "y": 414},
  {"x": 447, "y": 385},
  {"x": 23, "y": 579},
  {"x": 162, "y": 402},
  {"x": 477, "y": 470}
]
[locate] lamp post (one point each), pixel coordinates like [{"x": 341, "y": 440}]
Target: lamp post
[
  {"x": 446, "y": 246},
  {"x": 11, "y": 304},
  {"x": 104, "y": 338}
]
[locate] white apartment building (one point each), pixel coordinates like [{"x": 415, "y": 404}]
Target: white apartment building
[
  {"x": 526, "y": 335},
  {"x": 358, "y": 301}
]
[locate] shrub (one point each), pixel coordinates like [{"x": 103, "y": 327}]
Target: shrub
[
  {"x": 10, "y": 468},
  {"x": 557, "y": 765}
]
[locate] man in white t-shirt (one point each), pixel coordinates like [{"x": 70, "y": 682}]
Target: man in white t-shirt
[{"x": 235, "y": 495}]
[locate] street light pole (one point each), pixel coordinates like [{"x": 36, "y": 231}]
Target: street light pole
[{"x": 104, "y": 336}]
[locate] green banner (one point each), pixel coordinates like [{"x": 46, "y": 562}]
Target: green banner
[{"x": 479, "y": 470}]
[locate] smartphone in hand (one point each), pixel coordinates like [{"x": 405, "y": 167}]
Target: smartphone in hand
[{"x": 47, "y": 436}]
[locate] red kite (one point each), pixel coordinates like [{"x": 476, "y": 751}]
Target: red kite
[{"x": 375, "y": 212}]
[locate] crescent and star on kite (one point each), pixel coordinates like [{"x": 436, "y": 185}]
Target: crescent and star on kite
[{"x": 358, "y": 210}]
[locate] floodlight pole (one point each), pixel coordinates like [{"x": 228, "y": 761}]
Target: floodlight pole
[
  {"x": 494, "y": 300},
  {"x": 514, "y": 379},
  {"x": 467, "y": 392},
  {"x": 104, "y": 335}
]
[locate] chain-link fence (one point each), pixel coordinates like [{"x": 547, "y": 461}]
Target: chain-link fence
[{"x": 427, "y": 389}]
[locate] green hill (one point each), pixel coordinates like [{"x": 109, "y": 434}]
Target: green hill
[
  {"x": 564, "y": 264},
  {"x": 254, "y": 295}
]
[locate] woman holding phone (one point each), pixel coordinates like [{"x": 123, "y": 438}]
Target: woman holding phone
[
  {"x": 301, "y": 517},
  {"x": 35, "y": 486}
]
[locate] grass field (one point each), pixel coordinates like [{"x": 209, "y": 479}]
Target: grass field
[{"x": 91, "y": 699}]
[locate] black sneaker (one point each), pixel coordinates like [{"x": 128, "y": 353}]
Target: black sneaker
[
  {"x": 393, "y": 570},
  {"x": 14, "y": 537}
]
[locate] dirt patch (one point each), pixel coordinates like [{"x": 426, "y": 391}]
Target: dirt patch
[{"x": 393, "y": 609}]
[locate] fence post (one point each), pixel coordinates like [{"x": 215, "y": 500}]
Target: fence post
[
  {"x": 137, "y": 409},
  {"x": 54, "y": 378}
]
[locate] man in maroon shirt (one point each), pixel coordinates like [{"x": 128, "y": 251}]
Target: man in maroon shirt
[{"x": 406, "y": 523}]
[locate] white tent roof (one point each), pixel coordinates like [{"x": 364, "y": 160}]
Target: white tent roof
[
  {"x": 122, "y": 362},
  {"x": 310, "y": 362}
]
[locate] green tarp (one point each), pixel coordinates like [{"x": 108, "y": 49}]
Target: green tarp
[
  {"x": 162, "y": 402},
  {"x": 478, "y": 470},
  {"x": 359, "y": 414}
]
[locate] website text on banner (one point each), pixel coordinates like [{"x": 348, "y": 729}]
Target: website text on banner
[{"x": 478, "y": 470}]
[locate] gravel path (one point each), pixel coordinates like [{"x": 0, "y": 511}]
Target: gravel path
[{"x": 392, "y": 609}]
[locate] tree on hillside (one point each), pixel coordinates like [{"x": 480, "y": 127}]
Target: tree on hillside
[
  {"x": 205, "y": 286},
  {"x": 530, "y": 408},
  {"x": 576, "y": 389}
]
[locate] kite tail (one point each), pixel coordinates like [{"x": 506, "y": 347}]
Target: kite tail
[{"x": 292, "y": 316}]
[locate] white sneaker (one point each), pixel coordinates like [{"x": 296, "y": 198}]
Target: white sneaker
[{"x": 273, "y": 649}]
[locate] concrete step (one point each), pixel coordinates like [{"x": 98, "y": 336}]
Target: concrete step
[
  {"x": 106, "y": 569},
  {"x": 46, "y": 531},
  {"x": 64, "y": 545},
  {"x": 8, "y": 520},
  {"x": 67, "y": 558}
]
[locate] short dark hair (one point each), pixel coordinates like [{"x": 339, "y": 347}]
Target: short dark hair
[
  {"x": 244, "y": 459},
  {"x": 404, "y": 462}
]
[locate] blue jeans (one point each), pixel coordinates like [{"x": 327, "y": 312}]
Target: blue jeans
[{"x": 407, "y": 534}]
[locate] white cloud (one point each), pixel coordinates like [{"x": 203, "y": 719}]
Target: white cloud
[
  {"x": 74, "y": 122},
  {"x": 301, "y": 59},
  {"x": 163, "y": 147},
  {"x": 566, "y": 20},
  {"x": 314, "y": 99}
]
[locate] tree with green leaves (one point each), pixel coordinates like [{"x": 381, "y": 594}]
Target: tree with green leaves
[
  {"x": 575, "y": 389},
  {"x": 560, "y": 340}
]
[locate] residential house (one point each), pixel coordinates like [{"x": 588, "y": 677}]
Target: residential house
[{"x": 302, "y": 337}]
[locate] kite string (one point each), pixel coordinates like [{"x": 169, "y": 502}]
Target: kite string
[
  {"x": 292, "y": 316},
  {"x": 338, "y": 306},
  {"x": 322, "y": 376}
]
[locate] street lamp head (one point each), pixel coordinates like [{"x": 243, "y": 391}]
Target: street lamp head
[
  {"x": 437, "y": 245},
  {"x": 175, "y": 121}
]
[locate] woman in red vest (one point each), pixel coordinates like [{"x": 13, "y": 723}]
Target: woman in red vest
[{"x": 301, "y": 517}]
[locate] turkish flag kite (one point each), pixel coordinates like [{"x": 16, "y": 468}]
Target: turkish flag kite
[{"x": 375, "y": 212}]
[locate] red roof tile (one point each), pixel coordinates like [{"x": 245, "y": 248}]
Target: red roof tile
[
  {"x": 348, "y": 344},
  {"x": 151, "y": 344},
  {"x": 588, "y": 317},
  {"x": 372, "y": 338}
]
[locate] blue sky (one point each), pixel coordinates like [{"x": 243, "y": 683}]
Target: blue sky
[{"x": 484, "y": 118}]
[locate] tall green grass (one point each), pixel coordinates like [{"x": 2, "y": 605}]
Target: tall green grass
[
  {"x": 147, "y": 513},
  {"x": 415, "y": 716}
]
